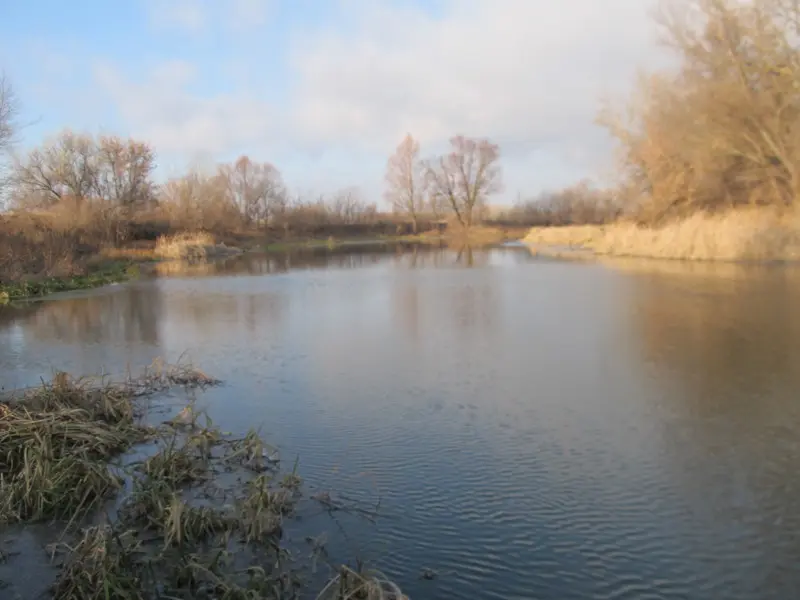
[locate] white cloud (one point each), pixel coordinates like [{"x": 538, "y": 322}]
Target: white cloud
[
  {"x": 187, "y": 15},
  {"x": 195, "y": 16},
  {"x": 163, "y": 111},
  {"x": 249, "y": 13},
  {"x": 527, "y": 73}
]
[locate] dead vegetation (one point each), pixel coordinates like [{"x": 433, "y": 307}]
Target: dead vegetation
[
  {"x": 752, "y": 234},
  {"x": 193, "y": 513},
  {"x": 720, "y": 131},
  {"x": 192, "y": 246},
  {"x": 708, "y": 152}
]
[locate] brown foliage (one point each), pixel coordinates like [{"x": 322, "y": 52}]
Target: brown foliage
[
  {"x": 466, "y": 177},
  {"x": 255, "y": 189},
  {"x": 580, "y": 204},
  {"x": 248, "y": 196},
  {"x": 724, "y": 129},
  {"x": 107, "y": 170},
  {"x": 33, "y": 246},
  {"x": 198, "y": 201}
]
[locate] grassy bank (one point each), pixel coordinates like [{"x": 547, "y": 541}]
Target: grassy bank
[
  {"x": 174, "y": 510},
  {"x": 44, "y": 252},
  {"x": 103, "y": 273},
  {"x": 756, "y": 234},
  {"x": 478, "y": 236}
]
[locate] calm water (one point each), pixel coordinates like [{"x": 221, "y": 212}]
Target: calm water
[{"x": 532, "y": 428}]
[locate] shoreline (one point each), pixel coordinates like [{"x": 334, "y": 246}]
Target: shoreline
[
  {"x": 118, "y": 271},
  {"x": 146, "y": 508},
  {"x": 127, "y": 263}
]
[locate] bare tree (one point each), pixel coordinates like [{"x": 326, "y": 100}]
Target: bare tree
[
  {"x": 199, "y": 201},
  {"x": 8, "y": 113},
  {"x": 123, "y": 171},
  {"x": 78, "y": 167},
  {"x": 466, "y": 176},
  {"x": 406, "y": 181},
  {"x": 8, "y": 123},
  {"x": 65, "y": 167},
  {"x": 255, "y": 188},
  {"x": 724, "y": 129}
]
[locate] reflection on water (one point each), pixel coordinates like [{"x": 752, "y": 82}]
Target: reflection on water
[{"x": 533, "y": 428}]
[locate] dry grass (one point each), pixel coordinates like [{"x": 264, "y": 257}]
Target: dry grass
[
  {"x": 177, "y": 530},
  {"x": 360, "y": 584},
  {"x": 189, "y": 246},
  {"x": 760, "y": 234},
  {"x": 144, "y": 252},
  {"x": 56, "y": 441}
]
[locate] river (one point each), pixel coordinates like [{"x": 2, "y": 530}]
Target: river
[{"x": 532, "y": 428}]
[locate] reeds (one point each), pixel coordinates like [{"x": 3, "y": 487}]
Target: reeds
[
  {"x": 361, "y": 584},
  {"x": 191, "y": 246},
  {"x": 744, "y": 234},
  {"x": 55, "y": 444}
]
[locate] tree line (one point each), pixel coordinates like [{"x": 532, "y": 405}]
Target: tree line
[
  {"x": 717, "y": 131},
  {"x": 113, "y": 177}
]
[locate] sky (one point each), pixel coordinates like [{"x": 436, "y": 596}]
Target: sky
[{"x": 326, "y": 89}]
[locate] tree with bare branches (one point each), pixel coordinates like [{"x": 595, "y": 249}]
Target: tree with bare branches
[
  {"x": 76, "y": 166},
  {"x": 723, "y": 130},
  {"x": 8, "y": 123},
  {"x": 8, "y": 113},
  {"x": 257, "y": 189},
  {"x": 199, "y": 200},
  {"x": 405, "y": 180},
  {"x": 466, "y": 176},
  {"x": 123, "y": 171}
]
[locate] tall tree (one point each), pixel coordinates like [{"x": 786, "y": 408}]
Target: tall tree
[
  {"x": 8, "y": 113},
  {"x": 466, "y": 177},
  {"x": 255, "y": 188},
  {"x": 405, "y": 180}
]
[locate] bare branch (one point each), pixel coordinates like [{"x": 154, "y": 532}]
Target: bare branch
[
  {"x": 466, "y": 177},
  {"x": 9, "y": 108},
  {"x": 405, "y": 180}
]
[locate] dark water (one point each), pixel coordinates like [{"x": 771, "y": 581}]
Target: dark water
[{"x": 533, "y": 428}]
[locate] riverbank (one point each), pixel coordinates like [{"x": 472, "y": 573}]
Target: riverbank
[
  {"x": 150, "y": 510},
  {"x": 740, "y": 235},
  {"x": 83, "y": 267},
  {"x": 477, "y": 237},
  {"x": 96, "y": 275},
  {"x": 76, "y": 265}
]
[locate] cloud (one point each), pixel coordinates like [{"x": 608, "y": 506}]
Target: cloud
[
  {"x": 186, "y": 15},
  {"x": 196, "y": 16},
  {"x": 162, "y": 110},
  {"x": 529, "y": 74},
  {"x": 249, "y": 13}
]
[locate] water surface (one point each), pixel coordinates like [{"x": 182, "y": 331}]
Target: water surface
[{"x": 533, "y": 428}]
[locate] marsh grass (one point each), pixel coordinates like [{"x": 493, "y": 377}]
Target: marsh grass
[
  {"x": 103, "y": 564},
  {"x": 361, "y": 584},
  {"x": 199, "y": 515},
  {"x": 743, "y": 234},
  {"x": 192, "y": 246},
  {"x": 55, "y": 444}
]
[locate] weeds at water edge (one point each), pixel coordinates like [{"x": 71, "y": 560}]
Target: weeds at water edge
[{"x": 201, "y": 516}]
